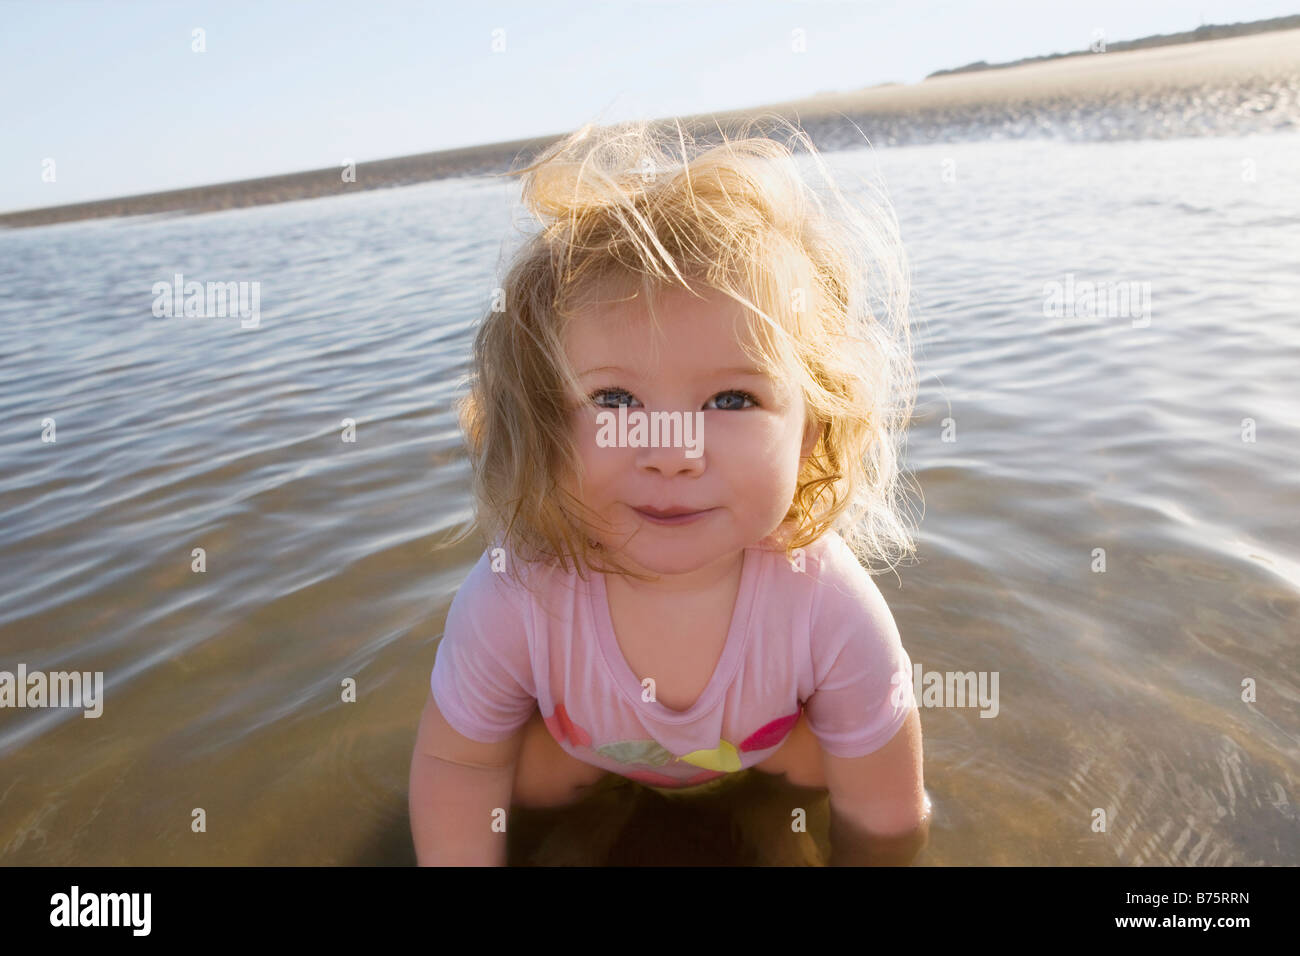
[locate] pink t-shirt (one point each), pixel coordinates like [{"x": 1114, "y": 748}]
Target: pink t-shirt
[{"x": 820, "y": 640}]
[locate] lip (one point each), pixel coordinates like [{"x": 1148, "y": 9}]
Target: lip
[{"x": 683, "y": 518}]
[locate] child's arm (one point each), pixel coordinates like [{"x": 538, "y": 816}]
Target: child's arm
[
  {"x": 879, "y": 812},
  {"x": 456, "y": 787}
]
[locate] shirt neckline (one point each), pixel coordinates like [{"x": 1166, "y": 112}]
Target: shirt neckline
[{"x": 737, "y": 635}]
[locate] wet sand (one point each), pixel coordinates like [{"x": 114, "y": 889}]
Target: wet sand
[{"x": 1241, "y": 68}]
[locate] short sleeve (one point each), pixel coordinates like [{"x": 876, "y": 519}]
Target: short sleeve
[
  {"x": 482, "y": 676},
  {"x": 862, "y": 673}
]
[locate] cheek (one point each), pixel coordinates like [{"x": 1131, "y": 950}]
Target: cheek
[
  {"x": 758, "y": 451},
  {"x": 602, "y": 467},
  {"x": 583, "y": 428}
]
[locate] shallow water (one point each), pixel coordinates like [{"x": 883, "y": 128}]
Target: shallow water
[{"x": 1119, "y": 691}]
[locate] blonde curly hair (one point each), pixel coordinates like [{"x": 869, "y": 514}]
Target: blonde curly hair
[{"x": 825, "y": 289}]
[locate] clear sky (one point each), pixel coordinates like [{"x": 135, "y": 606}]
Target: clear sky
[{"x": 114, "y": 93}]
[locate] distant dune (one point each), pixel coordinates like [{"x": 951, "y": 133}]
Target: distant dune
[
  {"x": 1235, "y": 73},
  {"x": 1207, "y": 32}
]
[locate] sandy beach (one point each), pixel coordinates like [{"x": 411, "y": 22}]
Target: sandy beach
[
  {"x": 1262, "y": 59},
  {"x": 1254, "y": 79}
]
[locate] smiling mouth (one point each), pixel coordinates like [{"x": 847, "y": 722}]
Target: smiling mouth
[
  {"x": 669, "y": 513},
  {"x": 672, "y": 516}
]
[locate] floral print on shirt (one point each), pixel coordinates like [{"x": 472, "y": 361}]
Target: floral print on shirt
[{"x": 723, "y": 759}]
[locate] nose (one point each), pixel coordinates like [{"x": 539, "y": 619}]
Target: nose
[{"x": 670, "y": 461}]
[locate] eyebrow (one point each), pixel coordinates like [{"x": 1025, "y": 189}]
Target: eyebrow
[{"x": 747, "y": 370}]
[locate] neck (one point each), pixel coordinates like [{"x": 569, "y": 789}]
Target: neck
[{"x": 701, "y": 581}]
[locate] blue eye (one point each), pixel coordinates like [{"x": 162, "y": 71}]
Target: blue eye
[
  {"x": 624, "y": 397},
  {"x": 743, "y": 395},
  {"x": 597, "y": 395}
]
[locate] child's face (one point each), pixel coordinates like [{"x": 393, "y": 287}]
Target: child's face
[{"x": 745, "y": 475}]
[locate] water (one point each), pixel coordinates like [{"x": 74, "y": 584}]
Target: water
[{"x": 1119, "y": 691}]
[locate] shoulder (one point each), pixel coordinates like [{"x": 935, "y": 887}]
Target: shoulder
[
  {"x": 482, "y": 675},
  {"x": 827, "y": 581},
  {"x": 497, "y": 588},
  {"x": 489, "y": 625},
  {"x": 832, "y": 568},
  {"x": 845, "y": 596}
]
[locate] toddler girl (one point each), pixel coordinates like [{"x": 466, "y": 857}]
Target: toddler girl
[{"x": 684, "y": 423}]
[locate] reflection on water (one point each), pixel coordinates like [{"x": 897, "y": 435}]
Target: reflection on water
[{"x": 1120, "y": 691}]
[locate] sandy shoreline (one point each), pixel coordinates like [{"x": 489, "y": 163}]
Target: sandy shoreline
[
  {"x": 1239, "y": 73},
  {"x": 1262, "y": 58}
]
